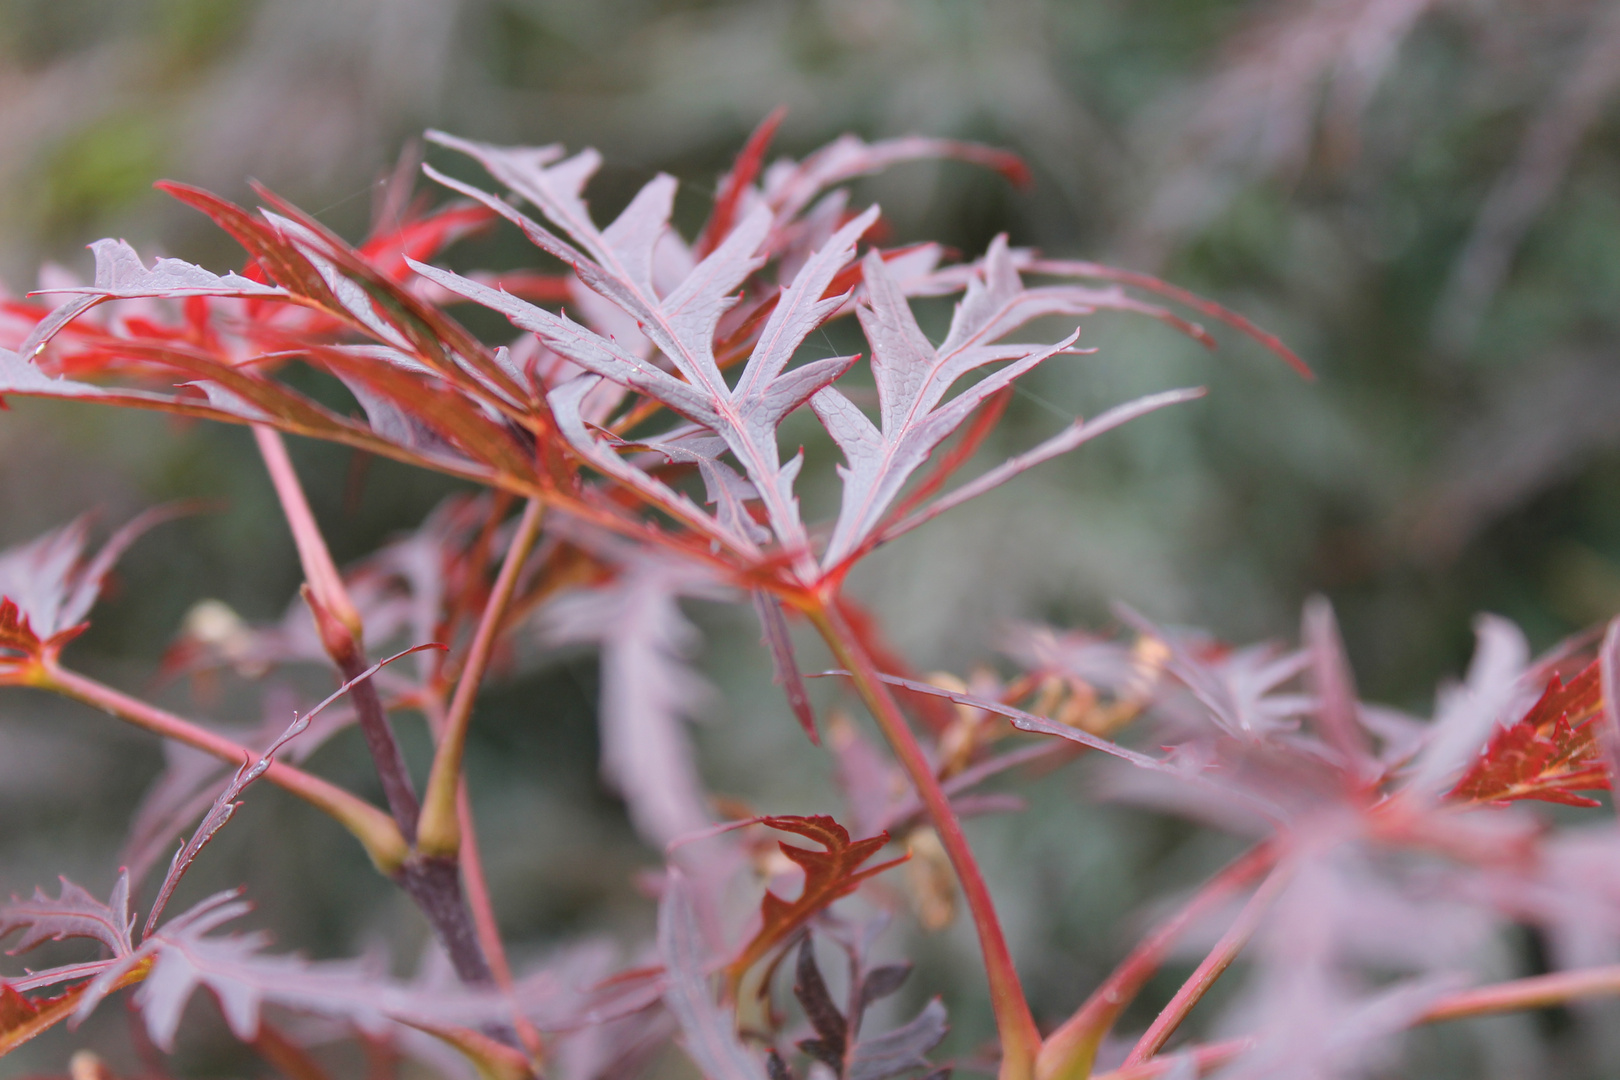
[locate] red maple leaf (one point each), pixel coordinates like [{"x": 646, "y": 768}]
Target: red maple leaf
[
  {"x": 828, "y": 874},
  {"x": 1550, "y": 754},
  {"x": 15, "y": 633},
  {"x": 22, "y": 1017}
]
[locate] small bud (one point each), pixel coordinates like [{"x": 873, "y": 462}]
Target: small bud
[
  {"x": 84, "y": 1065},
  {"x": 931, "y": 881},
  {"x": 336, "y": 636}
]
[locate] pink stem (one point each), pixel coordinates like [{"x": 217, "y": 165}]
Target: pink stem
[
  {"x": 432, "y": 881},
  {"x": 1206, "y": 1059},
  {"x": 1214, "y": 966},
  {"x": 319, "y": 569},
  {"x": 1068, "y": 1052},
  {"x": 1533, "y": 993},
  {"x": 1536, "y": 992},
  {"x": 342, "y": 632},
  {"x": 374, "y": 829}
]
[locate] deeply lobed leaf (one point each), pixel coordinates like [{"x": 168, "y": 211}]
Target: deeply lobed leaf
[
  {"x": 830, "y": 873},
  {"x": 1550, "y": 754}
]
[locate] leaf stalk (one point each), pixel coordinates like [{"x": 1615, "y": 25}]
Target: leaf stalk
[
  {"x": 375, "y": 830},
  {"x": 1069, "y": 1051},
  {"x": 438, "y": 832},
  {"x": 1209, "y": 971},
  {"x": 1020, "y": 1039},
  {"x": 342, "y": 631}
]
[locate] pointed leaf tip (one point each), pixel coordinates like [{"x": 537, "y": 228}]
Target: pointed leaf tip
[{"x": 773, "y": 624}]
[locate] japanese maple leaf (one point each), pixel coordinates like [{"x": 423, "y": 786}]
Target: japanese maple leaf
[
  {"x": 75, "y": 913},
  {"x": 618, "y": 263},
  {"x": 914, "y": 379},
  {"x": 1550, "y": 754},
  {"x": 649, "y": 688},
  {"x": 48, "y": 586},
  {"x": 830, "y": 873}
]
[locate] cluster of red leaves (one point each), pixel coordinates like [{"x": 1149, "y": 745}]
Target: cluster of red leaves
[{"x": 1550, "y": 754}]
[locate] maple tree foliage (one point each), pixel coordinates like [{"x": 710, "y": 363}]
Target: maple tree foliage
[
  {"x": 628, "y": 443},
  {"x": 48, "y": 586},
  {"x": 834, "y": 871},
  {"x": 1550, "y": 754}
]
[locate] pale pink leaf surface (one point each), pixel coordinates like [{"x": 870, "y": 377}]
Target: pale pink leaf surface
[
  {"x": 73, "y": 914},
  {"x": 682, "y": 326},
  {"x": 120, "y": 273},
  {"x": 52, "y": 581},
  {"x": 913, "y": 379},
  {"x": 617, "y": 263},
  {"x": 708, "y": 1033},
  {"x": 649, "y": 690}
]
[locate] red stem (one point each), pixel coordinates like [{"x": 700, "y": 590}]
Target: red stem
[
  {"x": 1214, "y": 966},
  {"x": 432, "y": 880},
  {"x": 341, "y": 629},
  {"x": 479, "y": 901},
  {"x": 319, "y": 569},
  {"x": 1020, "y": 1040},
  {"x": 1069, "y": 1051}
]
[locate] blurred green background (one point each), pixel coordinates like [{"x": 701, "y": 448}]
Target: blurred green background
[{"x": 1421, "y": 196}]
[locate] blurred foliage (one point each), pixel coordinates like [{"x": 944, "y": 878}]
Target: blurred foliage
[{"x": 1421, "y": 196}]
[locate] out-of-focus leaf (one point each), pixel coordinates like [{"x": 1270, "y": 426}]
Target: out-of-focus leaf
[
  {"x": 1242, "y": 690},
  {"x": 737, "y": 183},
  {"x": 832, "y": 1030},
  {"x": 790, "y": 187},
  {"x": 773, "y": 623},
  {"x": 185, "y": 955},
  {"x": 902, "y": 1049},
  {"x": 880, "y": 982},
  {"x": 1337, "y": 710},
  {"x": 48, "y": 585},
  {"x": 1466, "y": 715},
  {"x": 648, "y": 690},
  {"x": 22, "y": 1018},
  {"x": 708, "y": 1031}
]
